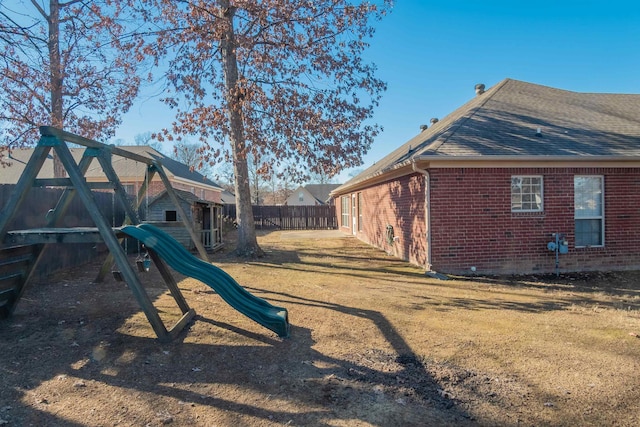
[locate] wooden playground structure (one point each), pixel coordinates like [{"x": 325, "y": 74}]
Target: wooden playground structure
[{"x": 21, "y": 250}]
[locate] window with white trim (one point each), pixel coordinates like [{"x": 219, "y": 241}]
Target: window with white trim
[
  {"x": 588, "y": 201},
  {"x": 345, "y": 210},
  {"x": 526, "y": 194},
  {"x": 360, "y": 208}
]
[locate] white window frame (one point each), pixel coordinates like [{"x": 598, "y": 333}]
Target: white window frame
[
  {"x": 360, "y": 208},
  {"x": 345, "y": 202},
  {"x": 590, "y": 217},
  {"x": 515, "y": 209}
]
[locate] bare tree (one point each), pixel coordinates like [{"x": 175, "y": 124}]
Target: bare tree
[
  {"x": 67, "y": 64},
  {"x": 224, "y": 176},
  {"x": 274, "y": 77},
  {"x": 280, "y": 189},
  {"x": 260, "y": 171},
  {"x": 322, "y": 178},
  {"x": 191, "y": 155}
]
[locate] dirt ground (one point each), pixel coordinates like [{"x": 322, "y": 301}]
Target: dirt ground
[{"x": 374, "y": 342}]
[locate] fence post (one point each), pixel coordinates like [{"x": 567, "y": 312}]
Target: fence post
[{"x": 286, "y": 217}]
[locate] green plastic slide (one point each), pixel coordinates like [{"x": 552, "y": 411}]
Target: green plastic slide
[{"x": 255, "y": 308}]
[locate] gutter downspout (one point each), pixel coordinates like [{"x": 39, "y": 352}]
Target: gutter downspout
[{"x": 427, "y": 208}]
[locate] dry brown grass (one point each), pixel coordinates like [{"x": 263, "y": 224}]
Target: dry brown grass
[{"x": 374, "y": 343}]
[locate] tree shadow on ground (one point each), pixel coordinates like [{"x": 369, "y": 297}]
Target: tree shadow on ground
[
  {"x": 69, "y": 340},
  {"x": 358, "y": 266},
  {"x": 73, "y": 331},
  {"x": 580, "y": 289}
]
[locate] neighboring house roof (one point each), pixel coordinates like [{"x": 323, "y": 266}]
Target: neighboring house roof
[
  {"x": 171, "y": 166},
  {"x": 227, "y": 197},
  {"x": 125, "y": 168},
  {"x": 301, "y": 197},
  {"x": 516, "y": 120},
  {"x": 181, "y": 194},
  {"x": 321, "y": 192}
]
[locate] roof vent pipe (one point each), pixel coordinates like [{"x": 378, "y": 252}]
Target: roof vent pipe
[
  {"x": 433, "y": 121},
  {"x": 423, "y": 128},
  {"x": 479, "y": 89}
]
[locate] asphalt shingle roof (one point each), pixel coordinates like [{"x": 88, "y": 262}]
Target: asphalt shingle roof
[
  {"x": 504, "y": 121},
  {"x": 125, "y": 168},
  {"x": 181, "y": 194},
  {"x": 321, "y": 191}
]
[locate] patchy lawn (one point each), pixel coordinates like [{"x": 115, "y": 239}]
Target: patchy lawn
[{"x": 373, "y": 343}]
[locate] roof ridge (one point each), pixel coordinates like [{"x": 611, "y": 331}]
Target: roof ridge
[
  {"x": 449, "y": 133},
  {"x": 508, "y": 120}
]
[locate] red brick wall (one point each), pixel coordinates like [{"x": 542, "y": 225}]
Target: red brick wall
[
  {"x": 397, "y": 203},
  {"x": 472, "y": 223}
]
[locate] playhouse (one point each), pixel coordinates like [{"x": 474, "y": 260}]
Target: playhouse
[{"x": 21, "y": 250}]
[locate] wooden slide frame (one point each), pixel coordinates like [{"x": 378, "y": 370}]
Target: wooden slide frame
[{"x": 76, "y": 184}]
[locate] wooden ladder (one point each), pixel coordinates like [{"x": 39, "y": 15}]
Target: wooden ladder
[{"x": 15, "y": 266}]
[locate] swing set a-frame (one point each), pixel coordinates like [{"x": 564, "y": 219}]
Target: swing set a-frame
[{"x": 77, "y": 185}]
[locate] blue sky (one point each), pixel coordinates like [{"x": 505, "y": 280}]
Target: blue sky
[{"x": 432, "y": 53}]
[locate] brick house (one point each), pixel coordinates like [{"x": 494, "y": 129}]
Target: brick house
[
  {"x": 130, "y": 172},
  {"x": 485, "y": 189},
  {"x": 311, "y": 195},
  {"x": 201, "y": 196}
]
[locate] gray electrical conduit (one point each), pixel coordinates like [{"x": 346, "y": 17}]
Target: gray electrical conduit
[{"x": 427, "y": 209}]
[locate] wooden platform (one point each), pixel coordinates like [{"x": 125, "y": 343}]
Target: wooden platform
[{"x": 36, "y": 236}]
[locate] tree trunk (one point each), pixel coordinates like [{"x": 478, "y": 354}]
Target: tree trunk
[
  {"x": 56, "y": 78},
  {"x": 247, "y": 242}
]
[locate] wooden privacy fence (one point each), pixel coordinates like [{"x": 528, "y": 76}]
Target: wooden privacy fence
[
  {"x": 321, "y": 217},
  {"x": 39, "y": 200},
  {"x": 33, "y": 214}
]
